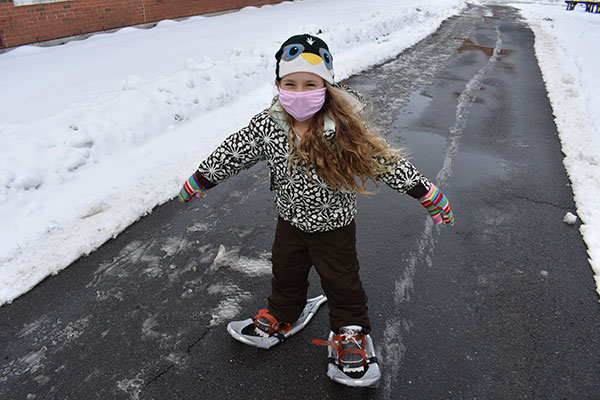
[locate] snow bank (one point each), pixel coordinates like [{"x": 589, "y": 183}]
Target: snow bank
[
  {"x": 96, "y": 133},
  {"x": 566, "y": 48}
]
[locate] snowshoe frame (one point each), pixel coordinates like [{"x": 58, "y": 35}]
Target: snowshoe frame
[{"x": 236, "y": 328}]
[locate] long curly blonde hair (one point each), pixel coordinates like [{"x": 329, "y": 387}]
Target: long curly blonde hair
[{"x": 353, "y": 156}]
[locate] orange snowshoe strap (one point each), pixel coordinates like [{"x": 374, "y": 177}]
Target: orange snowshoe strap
[
  {"x": 320, "y": 342},
  {"x": 274, "y": 325},
  {"x": 353, "y": 351},
  {"x": 336, "y": 346}
]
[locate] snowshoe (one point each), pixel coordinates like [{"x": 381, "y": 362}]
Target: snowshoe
[
  {"x": 265, "y": 332},
  {"x": 351, "y": 358}
]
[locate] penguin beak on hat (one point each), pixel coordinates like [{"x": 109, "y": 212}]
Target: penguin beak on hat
[{"x": 312, "y": 58}]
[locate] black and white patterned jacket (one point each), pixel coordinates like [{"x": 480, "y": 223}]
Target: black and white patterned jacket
[{"x": 307, "y": 203}]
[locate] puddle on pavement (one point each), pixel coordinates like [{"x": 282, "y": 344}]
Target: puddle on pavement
[
  {"x": 468, "y": 45},
  {"x": 417, "y": 103},
  {"x": 424, "y": 147},
  {"x": 427, "y": 148}
]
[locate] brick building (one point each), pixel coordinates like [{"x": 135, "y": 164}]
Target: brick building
[{"x": 30, "y": 21}]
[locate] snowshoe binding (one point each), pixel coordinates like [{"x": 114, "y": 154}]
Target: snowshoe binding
[
  {"x": 351, "y": 357},
  {"x": 265, "y": 331},
  {"x": 265, "y": 324}
]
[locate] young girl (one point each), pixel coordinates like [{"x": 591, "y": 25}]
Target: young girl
[{"x": 320, "y": 155}]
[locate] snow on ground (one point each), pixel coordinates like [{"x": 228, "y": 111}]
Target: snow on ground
[
  {"x": 96, "y": 133},
  {"x": 566, "y": 45}
]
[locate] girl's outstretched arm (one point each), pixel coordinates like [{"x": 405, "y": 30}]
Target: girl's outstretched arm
[
  {"x": 405, "y": 178},
  {"x": 239, "y": 151}
]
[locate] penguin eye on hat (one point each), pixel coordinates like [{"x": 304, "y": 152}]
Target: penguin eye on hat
[
  {"x": 292, "y": 51},
  {"x": 326, "y": 56}
]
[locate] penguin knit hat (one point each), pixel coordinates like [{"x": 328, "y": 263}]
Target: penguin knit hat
[{"x": 304, "y": 53}]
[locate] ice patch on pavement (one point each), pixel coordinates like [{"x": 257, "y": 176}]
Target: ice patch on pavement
[
  {"x": 48, "y": 338},
  {"x": 228, "y": 308},
  {"x": 230, "y": 258},
  {"x": 174, "y": 245},
  {"x": 393, "y": 352},
  {"x": 121, "y": 267},
  {"x": 29, "y": 363},
  {"x": 133, "y": 387},
  {"x": 151, "y": 259},
  {"x": 148, "y": 326},
  {"x": 199, "y": 227}
]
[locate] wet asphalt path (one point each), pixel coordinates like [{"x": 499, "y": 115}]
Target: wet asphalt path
[{"x": 502, "y": 306}]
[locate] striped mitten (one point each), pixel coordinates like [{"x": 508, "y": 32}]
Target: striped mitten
[
  {"x": 191, "y": 190},
  {"x": 438, "y": 206}
]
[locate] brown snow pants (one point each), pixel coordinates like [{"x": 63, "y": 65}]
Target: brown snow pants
[{"x": 334, "y": 257}]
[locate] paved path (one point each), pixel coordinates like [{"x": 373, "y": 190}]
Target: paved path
[{"x": 502, "y": 306}]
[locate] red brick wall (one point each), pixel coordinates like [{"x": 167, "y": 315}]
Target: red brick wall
[{"x": 39, "y": 22}]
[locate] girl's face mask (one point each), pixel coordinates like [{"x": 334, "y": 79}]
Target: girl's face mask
[{"x": 302, "y": 105}]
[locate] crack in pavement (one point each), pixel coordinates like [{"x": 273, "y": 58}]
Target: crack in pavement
[
  {"x": 157, "y": 377},
  {"x": 540, "y": 202},
  {"x": 190, "y": 347}
]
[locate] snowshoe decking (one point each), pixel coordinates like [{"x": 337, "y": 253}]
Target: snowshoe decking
[
  {"x": 244, "y": 330},
  {"x": 369, "y": 377}
]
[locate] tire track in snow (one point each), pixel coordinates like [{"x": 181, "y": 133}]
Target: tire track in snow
[{"x": 393, "y": 347}]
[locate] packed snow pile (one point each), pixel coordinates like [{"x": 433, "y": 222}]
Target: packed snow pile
[
  {"x": 566, "y": 48},
  {"x": 570, "y": 219},
  {"x": 96, "y": 133}
]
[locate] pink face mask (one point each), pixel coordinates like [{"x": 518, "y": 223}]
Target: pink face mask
[{"x": 302, "y": 105}]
